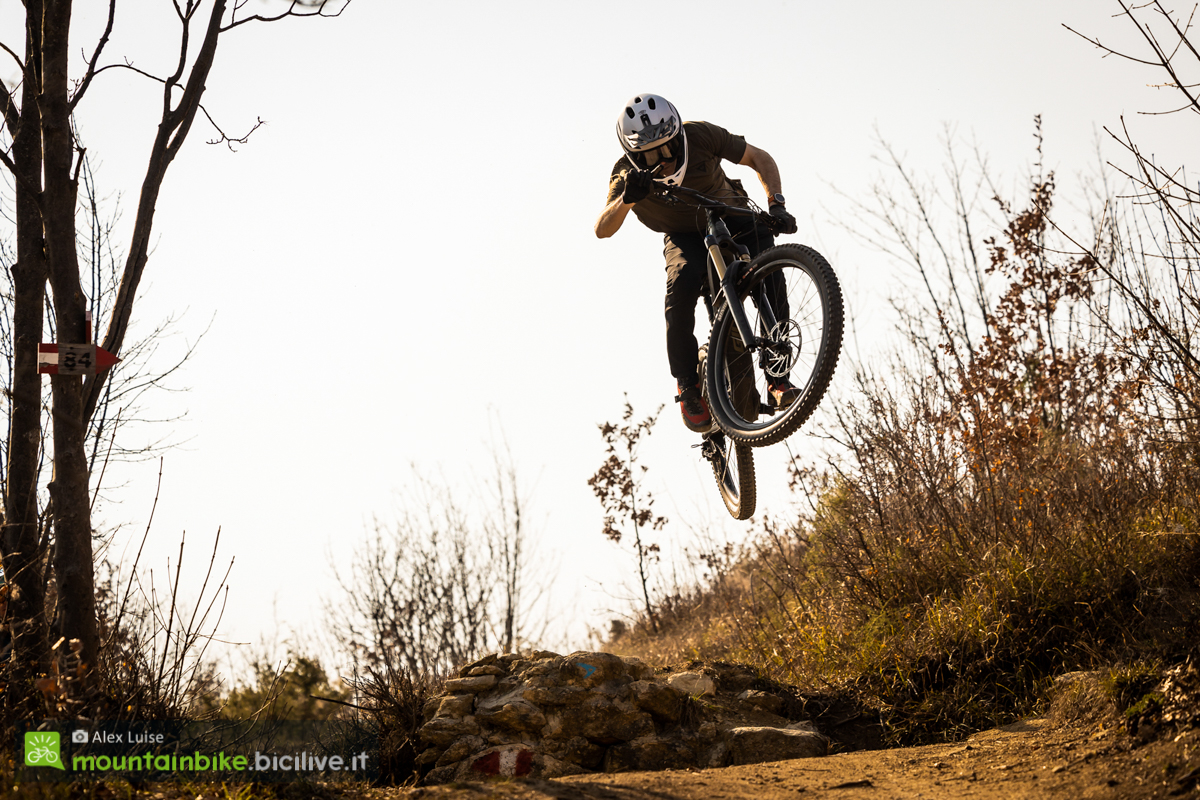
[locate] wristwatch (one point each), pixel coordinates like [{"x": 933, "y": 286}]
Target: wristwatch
[{"x": 777, "y": 200}]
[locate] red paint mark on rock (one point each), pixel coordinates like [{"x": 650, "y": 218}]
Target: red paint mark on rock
[
  {"x": 512, "y": 762},
  {"x": 488, "y": 765}
]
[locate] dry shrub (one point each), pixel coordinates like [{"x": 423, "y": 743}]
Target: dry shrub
[
  {"x": 1008, "y": 506},
  {"x": 1080, "y": 698},
  {"x": 152, "y": 656},
  {"x": 1000, "y": 516},
  {"x": 442, "y": 583},
  {"x": 1018, "y": 493},
  {"x": 388, "y": 711}
]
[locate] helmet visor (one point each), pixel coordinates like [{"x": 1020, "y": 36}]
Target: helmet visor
[{"x": 668, "y": 153}]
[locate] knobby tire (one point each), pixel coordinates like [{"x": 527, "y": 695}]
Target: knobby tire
[
  {"x": 807, "y": 344},
  {"x": 732, "y": 463},
  {"x": 736, "y": 484}
]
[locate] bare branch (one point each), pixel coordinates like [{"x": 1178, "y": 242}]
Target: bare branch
[
  {"x": 1182, "y": 34},
  {"x": 129, "y": 66},
  {"x": 8, "y": 163},
  {"x": 1185, "y": 355},
  {"x": 1165, "y": 60},
  {"x": 172, "y": 131},
  {"x": 8, "y": 108},
  {"x": 15, "y": 57},
  {"x": 1108, "y": 50},
  {"x": 91, "y": 68},
  {"x": 226, "y": 139},
  {"x": 318, "y": 5}
]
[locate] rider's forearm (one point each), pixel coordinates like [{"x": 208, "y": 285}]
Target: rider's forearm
[
  {"x": 764, "y": 165},
  {"x": 768, "y": 174},
  {"x": 612, "y": 217}
]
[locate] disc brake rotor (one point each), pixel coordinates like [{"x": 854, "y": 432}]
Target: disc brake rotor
[{"x": 782, "y": 350}]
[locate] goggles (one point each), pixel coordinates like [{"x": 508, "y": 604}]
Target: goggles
[{"x": 671, "y": 150}]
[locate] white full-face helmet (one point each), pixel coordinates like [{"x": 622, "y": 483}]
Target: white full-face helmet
[{"x": 651, "y": 131}]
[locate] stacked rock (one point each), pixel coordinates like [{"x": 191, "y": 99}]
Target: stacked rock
[{"x": 547, "y": 715}]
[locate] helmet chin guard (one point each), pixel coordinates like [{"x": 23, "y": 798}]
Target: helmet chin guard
[{"x": 651, "y": 132}]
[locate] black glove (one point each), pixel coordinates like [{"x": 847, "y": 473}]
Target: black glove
[
  {"x": 638, "y": 184},
  {"x": 784, "y": 222}
]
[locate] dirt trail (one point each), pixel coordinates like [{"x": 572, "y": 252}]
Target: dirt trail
[{"x": 1030, "y": 759}]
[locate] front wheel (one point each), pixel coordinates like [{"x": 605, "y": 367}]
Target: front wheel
[{"x": 792, "y": 299}]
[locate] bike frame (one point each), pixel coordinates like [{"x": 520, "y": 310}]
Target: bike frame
[{"x": 718, "y": 235}]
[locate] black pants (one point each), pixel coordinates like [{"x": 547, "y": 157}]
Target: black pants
[{"x": 687, "y": 281}]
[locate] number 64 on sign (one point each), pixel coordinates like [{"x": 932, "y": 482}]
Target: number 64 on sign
[{"x": 73, "y": 359}]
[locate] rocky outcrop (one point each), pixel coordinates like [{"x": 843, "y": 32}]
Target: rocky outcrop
[{"x": 547, "y": 715}]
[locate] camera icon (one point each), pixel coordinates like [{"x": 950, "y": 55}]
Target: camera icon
[{"x": 79, "y": 737}]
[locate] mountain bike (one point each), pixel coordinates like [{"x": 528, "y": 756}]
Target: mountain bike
[{"x": 775, "y": 317}]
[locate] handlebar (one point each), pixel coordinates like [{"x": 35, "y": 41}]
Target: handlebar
[{"x": 717, "y": 204}]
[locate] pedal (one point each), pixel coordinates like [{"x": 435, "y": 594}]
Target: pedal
[{"x": 709, "y": 448}]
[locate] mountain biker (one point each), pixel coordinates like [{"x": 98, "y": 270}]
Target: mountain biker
[{"x": 660, "y": 147}]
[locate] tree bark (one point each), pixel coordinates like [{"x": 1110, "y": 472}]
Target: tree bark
[
  {"x": 69, "y": 497},
  {"x": 23, "y": 562},
  {"x": 45, "y": 161}
]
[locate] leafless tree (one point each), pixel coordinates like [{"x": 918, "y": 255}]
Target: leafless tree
[
  {"x": 46, "y": 160},
  {"x": 507, "y": 525},
  {"x": 1147, "y": 242},
  {"x": 440, "y": 585}
]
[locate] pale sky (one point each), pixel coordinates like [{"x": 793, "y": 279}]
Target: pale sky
[{"x": 402, "y": 260}]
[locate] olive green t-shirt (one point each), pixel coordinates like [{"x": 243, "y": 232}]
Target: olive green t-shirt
[{"x": 707, "y": 145}]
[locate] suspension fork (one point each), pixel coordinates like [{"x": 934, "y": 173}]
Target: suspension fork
[
  {"x": 718, "y": 234},
  {"x": 766, "y": 311}
]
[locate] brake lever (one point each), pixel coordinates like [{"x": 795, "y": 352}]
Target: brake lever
[{"x": 772, "y": 224}]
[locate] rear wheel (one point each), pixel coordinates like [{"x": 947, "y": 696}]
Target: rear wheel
[
  {"x": 792, "y": 299},
  {"x": 732, "y": 465}
]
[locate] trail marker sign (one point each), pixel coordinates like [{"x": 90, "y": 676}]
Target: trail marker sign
[{"x": 73, "y": 359}]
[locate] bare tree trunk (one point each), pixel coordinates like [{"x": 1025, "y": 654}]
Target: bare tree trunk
[
  {"x": 71, "y": 514},
  {"x": 45, "y": 161},
  {"x": 23, "y": 566}
]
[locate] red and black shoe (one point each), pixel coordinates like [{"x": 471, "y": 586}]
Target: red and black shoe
[
  {"x": 783, "y": 393},
  {"x": 694, "y": 409}
]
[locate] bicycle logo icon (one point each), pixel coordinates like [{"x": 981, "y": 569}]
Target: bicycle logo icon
[{"x": 43, "y": 749}]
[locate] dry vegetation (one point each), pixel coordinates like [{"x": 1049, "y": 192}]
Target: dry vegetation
[{"x": 1015, "y": 494}]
